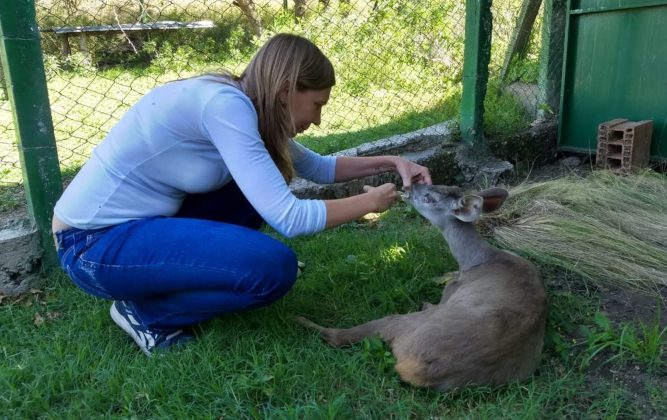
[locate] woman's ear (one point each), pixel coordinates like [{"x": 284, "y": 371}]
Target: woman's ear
[{"x": 283, "y": 93}]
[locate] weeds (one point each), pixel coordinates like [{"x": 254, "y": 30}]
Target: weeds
[
  {"x": 378, "y": 353},
  {"x": 645, "y": 345}
]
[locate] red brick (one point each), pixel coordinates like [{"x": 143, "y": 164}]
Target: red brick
[{"x": 623, "y": 145}]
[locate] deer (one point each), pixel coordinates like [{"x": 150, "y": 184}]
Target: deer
[{"x": 488, "y": 328}]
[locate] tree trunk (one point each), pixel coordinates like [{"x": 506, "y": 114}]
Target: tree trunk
[
  {"x": 521, "y": 35},
  {"x": 248, "y": 9},
  {"x": 3, "y": 85},
  {"x": 299, "y": 9}
]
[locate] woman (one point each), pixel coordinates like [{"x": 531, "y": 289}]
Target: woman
[{"x": 163, "y": 219}]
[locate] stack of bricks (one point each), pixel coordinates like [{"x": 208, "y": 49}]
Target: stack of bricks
[{"x": 624, "y": 146}]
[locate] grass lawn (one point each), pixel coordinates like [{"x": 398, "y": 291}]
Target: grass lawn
[{"x": 61, "y": 355}]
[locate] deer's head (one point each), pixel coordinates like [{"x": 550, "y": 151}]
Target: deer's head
[{"x": 438, "y": 203}]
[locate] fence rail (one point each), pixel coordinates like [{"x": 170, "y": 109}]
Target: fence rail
[{"x": 65, "y": 33}]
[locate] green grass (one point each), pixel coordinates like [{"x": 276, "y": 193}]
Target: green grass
[
  {"x": 643, "y": 344},
  {"x": 11, "y": 197},
  {"x": 71, "y": 361}
]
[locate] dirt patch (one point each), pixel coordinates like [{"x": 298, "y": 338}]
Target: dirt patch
[
  {"x": 565, "y": 166},
  {"x": 635, "y": 380},
  {"x": 13, "y": 214},
  {"x": 640, "y": 384},
  {"x": 622, "y": 305}
]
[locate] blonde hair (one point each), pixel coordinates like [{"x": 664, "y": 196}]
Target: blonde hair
[{"x": 284, "y": 60}]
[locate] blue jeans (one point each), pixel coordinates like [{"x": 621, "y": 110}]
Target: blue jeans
[{"x": 207, "y": 261}]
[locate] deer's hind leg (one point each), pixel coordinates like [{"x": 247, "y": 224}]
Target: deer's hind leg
[{"x": 387, "y": 328}]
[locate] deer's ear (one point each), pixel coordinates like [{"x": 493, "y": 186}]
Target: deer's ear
[
  {"x": 493, "y": 198},
  {"x": 471, "y": 209}
]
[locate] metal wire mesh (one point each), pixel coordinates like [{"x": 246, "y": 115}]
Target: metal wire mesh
[
  {"x": 399, "y": 62},
  {"x": 514, "y": 65}
]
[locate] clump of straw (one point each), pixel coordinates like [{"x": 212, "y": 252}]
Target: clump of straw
[{"x": 608, "y": 228}]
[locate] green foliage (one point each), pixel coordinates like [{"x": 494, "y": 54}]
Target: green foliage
[
  {"x": 182, "y": 57},
  {"x": 646, "y": 344},
  {"x": 524, "y": 70},
  {"x": 11, "y": 197},
  {"x": 502, "y": 112},
  {"x": 566, "y": 312},
  {"x": 334, "y": 142},
  {"x": 75, "y": 63},
  {"x": 378, "y": 354}
]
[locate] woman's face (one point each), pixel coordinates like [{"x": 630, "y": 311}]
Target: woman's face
[{"x": 307, "y": 108}]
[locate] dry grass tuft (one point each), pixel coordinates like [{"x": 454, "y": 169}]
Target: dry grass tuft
[{"x": 608, "y": 228}]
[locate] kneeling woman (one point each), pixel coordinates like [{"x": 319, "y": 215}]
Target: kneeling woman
[{"x": 163, "y": 219}]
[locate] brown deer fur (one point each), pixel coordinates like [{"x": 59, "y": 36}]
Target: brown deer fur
[{"x": 488, "y": 328}]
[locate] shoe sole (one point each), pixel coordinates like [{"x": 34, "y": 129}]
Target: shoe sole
[{"x": 122, "y": 323}]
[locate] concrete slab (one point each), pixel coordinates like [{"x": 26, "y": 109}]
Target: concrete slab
[{"x": 20, "y": 255}]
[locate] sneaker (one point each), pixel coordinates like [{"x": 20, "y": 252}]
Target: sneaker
[
  {"x": 300, "y": 267},
  {"x": 148, "y": 340}
]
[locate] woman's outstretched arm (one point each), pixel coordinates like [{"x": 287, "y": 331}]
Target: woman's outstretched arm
[
  {"x": 355, "y": 167},
  {"x": 373, "y": 199}
]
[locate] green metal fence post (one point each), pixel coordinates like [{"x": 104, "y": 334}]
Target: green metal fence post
[
  {"x": 551, "y": 58},
  {"x": 477, "y": 54},
  {"x": 23, "y": 65}
]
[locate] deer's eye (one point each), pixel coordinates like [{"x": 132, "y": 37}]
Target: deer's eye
[{"x": 428, "y": 198}]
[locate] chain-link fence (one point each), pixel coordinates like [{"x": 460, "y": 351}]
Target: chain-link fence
[
  {"x": 512, "y": 95},
  {"x": 399, "y": 63}
]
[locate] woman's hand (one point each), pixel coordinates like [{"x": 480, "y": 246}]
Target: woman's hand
[
  {"x": 373, "y": 200},
  {"x": 383, "y": 196},
  {"x": 348, "y": 167},
  {"x": 412, "y": 173}
]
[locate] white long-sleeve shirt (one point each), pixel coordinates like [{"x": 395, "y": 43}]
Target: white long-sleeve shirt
[{"x": 190, "y": 136}]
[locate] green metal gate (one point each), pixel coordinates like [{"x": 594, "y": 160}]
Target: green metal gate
[{"x": 615, "y": 67}]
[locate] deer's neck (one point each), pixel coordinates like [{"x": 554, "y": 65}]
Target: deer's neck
[{"x": 467, "y": 246}]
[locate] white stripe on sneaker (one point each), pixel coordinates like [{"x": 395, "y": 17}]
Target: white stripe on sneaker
[
  {"x": 132, "y": 319},
  {"x": 148, "y": 340},
  {"x": 123, "y": 323}
]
